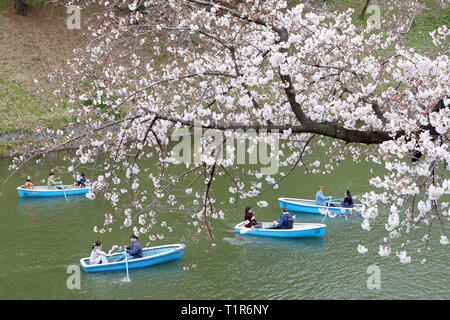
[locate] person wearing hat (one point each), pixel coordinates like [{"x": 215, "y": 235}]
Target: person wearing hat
[
  {"x": 52, "y": 182},
  {"x": 134, "y": 251}
]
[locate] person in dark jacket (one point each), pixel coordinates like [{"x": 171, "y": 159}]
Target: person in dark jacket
[
  {"x": 286, "y": 220},
  {"x": 76, "y": 179},
  {"x": 82, "y": 182},
  {"x": 249, "y": 219},
  {"x": 134, "y": 251},
  {"x": 348, "y": 201}
]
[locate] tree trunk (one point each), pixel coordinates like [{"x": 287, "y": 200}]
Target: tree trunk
[
  {"x": 20, "y": 7},
  {"x": 365, "y": 9}
]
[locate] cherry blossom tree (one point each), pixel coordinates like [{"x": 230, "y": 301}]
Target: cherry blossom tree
[{"x": 311, "y": 77}]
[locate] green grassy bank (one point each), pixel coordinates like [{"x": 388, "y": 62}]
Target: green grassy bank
[{"x": 32, "y": 46}]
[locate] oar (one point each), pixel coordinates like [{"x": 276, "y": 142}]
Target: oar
[
  {"x": 126, "y": 264},
  {"x": 328, "y": 206},
  {"x": 127, "y": 279},
  {"x": 111, "y": 252},
  {"x": 331, "y": 200},
  {"x": 64, "y": 191}
]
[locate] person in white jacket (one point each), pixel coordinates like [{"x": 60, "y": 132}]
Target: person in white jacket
[{"x": 97, "y": 255}]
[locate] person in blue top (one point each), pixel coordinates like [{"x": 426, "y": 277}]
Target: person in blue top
[
  {"x": 321, "y": 199},
  {"x": 76, "y": 179},
  {"x": 286, "y": 220},
  {"x": 134, "y": 251},
  {"x": 348, "y": 201},
  {"x": 82, "y": 181}
]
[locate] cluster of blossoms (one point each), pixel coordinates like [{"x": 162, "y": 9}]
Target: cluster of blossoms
[{"x": 312, "y": 76}]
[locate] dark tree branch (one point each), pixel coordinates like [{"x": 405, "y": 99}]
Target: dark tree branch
[{"x": 365, "y": 9}]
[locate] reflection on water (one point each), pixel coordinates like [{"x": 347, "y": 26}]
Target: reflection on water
[
  {"x": 286, "y": 244},
  {"x": 51, "y": 205},
  {"x": 160, "y": 272},
  {"x": 41, "y": 237},
  {"x": 46, "y": 201}
]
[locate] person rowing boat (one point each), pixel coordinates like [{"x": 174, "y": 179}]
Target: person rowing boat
[
  {"x": 321, "y": 200},
  {"x": 52, "y": 182},
  {"x": 79, "y": 180},
  {"x": 134, "y": 251}
]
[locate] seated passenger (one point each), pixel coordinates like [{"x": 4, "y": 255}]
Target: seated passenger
[
  {"x": 286, "y": 220},
  {"x": 97, "y": 255},
  {"x": 76, "y": 179},
  {"x": 249, "y": 219},
  {"x": 82, "y": 182},
  {"x": 28, "y": 184},
  {"x": 348, "y": 201}
]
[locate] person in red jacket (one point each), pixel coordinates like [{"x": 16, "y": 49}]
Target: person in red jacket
[{"x": 249, "y": 219}]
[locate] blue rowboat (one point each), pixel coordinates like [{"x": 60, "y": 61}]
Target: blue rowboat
[
  {"x": 42, "y": 191},
  {"x": 309, "y": 206},
  {"x": 300, "y": 230},
  {"x": 151, "y": 256}
]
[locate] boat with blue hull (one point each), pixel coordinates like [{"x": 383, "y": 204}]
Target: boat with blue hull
[
  {"x": 42, "y": 191},
  {"x": 309, "y": 206},
  {"x": 299, "y": 230},
  {"x": 151, "y": 256}
]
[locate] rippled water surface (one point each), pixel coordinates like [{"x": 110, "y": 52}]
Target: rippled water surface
[{"x": 40, "y": 238}]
